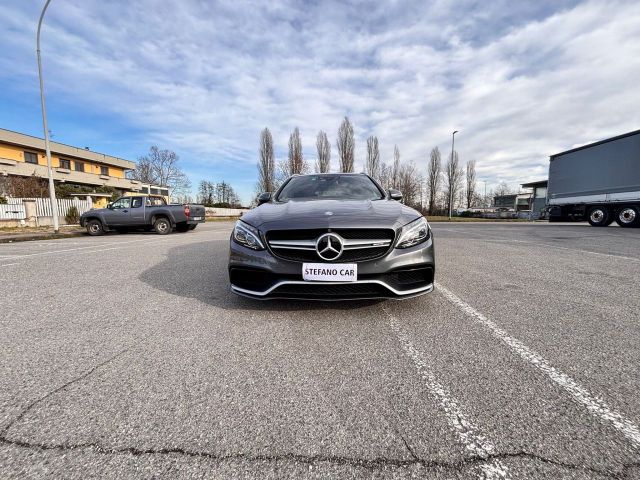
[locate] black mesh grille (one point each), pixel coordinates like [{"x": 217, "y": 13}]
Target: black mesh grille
[
  {"x": 409, "y": 278},
  {"x": 355, "y": 255},
  {"x": 362, "y": 290},
  {"x": 251, "y": 278}
]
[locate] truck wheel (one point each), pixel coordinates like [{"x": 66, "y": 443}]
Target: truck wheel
[
  {"x": 94, "y": 228},
  {"x": 182, "y": 227},
  {"x": 599, "y": 217},
  {"x": 193, "y": 227},
  {"x": 628, "y": 217},
  {"x": 162, "y": 226}
]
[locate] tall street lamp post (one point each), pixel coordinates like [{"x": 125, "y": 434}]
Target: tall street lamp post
[
  {"x": 47, "y": 147},
  {"x": 453, "y": 139},
  {"x": 485, "y": 194}
]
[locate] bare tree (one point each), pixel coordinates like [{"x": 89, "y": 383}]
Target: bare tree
[
  {"x": 385, "y": 176},
  {"x": 395, "y": 172},
  {"x": 296, "y": 160},
  {"x": 471, "y": 183},
  {"x": 323, "y": 165},
  {"x": 144, "y": 171},
  {"x": 503, "y": 188},
  {"x": 346, "y": 146},
  {"x": 453, "y": 179},
  {"x": 409, "y": 183},
  {"x": 373, "y": 158},
  {"x": 266, "y": 163},
  {"x": 32, "y": 186},
  {"x": 160, "y": 167},
  {"x": 283, "y": 171},
  {"x": 433, "y": 178}
]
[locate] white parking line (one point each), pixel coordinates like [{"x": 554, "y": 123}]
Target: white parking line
[
  {"x": 97, "y": 247},
  {"x": 53, "y": 252},
  {"x": 8, "y": 264},
  {"x": 540, "y": 244},
  {"x": 475, "y": 443},
  {"x": 596, "y": 406}
]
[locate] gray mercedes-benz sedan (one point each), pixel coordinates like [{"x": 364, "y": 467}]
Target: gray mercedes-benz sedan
[{"x": 331, "y": 237}]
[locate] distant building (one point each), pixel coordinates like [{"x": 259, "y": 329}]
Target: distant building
[
  {"x": 24, "y": 156},
  {"x": 538, "y": 198},
  {"x": 516, "y": 202}
]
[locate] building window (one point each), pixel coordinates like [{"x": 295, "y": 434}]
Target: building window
[
  {"x": 104, "y": 170},
  {"x": 64, "y": 163},
  {"x": 155, "y": 191},
  {"x": 79, "y": 166},
  {"x": 31, "y": 157}
]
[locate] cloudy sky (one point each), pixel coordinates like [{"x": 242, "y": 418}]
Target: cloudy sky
[{"x": 519, "y": 80}]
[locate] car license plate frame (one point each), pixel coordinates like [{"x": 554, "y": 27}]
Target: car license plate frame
[{"x": 330, "y": 272}]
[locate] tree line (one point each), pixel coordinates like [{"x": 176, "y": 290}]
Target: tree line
[
  {"x": 443, "y": 186},
  {"x": 161, "y": 167},
  {"x": 221, "y": 195}
]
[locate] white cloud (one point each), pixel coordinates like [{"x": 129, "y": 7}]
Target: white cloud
[{"x": 519, "y": 83}]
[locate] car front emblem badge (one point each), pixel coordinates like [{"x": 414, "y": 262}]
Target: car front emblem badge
[{"x": 329, "y": 246}]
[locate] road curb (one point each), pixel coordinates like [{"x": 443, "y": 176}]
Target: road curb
[{"x": 38, "y": 236}]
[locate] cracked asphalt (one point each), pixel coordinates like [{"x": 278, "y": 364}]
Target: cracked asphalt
[{"x": 125, "y": 356}]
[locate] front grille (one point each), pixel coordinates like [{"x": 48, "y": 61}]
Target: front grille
[
  {"x": 345, "y": 291},
  {"x": 348, "y": 233},
  {"x": 353, "y": 253}
]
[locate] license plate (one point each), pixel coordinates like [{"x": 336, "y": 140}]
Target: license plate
[
  {"x": 197, "y": 219},
  {"x": 330, "y": 272}
]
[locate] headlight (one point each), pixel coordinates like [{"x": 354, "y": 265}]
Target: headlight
[
  {"x": 247, "y": 236},
  {"x": 414, "y": 233}
]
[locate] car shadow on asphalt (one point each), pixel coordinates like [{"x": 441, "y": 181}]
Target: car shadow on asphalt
[{"x": 199, "y": 272}]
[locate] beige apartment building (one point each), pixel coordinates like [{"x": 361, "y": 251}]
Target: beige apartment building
[{"x": 24, "y": 156}]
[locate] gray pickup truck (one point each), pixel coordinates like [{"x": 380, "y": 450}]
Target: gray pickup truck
[{"x": 143, "y": 212}]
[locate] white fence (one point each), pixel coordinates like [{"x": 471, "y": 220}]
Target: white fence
[
  {"x": 12, "y": 212},
  {"x": 43, "y": 205},
  {"x": 224, "y": 212}
]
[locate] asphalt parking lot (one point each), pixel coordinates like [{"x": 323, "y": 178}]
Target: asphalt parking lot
[{"x": 125, "y": 356}]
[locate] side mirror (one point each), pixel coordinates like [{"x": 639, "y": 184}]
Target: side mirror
[
  {"x": 395, "y": 194},
  {"x": 110, "y": 206},
  {"x": 264, "y": 198}
]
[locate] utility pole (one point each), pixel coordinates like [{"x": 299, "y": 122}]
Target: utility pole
[
  {"x": 484, "y": 202},
  {"x": 453, "y": 139},
  {"x": 47, "y": 147}
]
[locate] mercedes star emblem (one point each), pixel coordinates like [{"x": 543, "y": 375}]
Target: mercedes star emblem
[{"x": 329, "y": 246}]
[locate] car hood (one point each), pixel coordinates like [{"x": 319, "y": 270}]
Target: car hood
[
  {"x": 93, "y": 211},
  {"x": 330, "y": 214}
]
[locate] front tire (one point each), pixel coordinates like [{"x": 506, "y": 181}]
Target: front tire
[
  {"x": 95, "y": 228},
  {"x": 628, "y": 216},
  {"x": 599, "y": 217},
  {"x": 162, "y": 226}
]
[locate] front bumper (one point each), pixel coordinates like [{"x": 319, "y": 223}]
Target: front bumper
[{"x": 401, "y": 273}]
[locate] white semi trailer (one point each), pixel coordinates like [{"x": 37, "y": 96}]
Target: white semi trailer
[{"x": 599, "y": 182}]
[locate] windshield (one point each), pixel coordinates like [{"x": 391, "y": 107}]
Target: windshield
[{"x": 336, "y": 187}]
